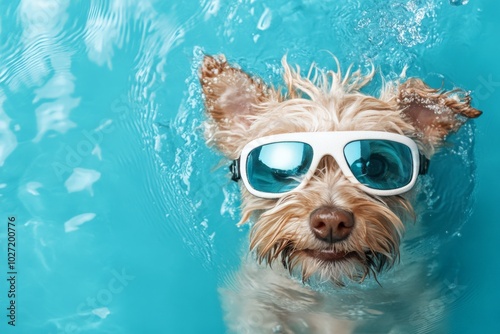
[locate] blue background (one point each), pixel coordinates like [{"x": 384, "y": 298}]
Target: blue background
[{"x": 123, "y": 224}]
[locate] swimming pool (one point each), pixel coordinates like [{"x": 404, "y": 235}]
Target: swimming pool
[{"x": 122, "y": 222}]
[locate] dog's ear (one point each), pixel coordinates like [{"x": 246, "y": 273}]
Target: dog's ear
[
  {"x": 231, "y": 100},
  {"x": 434, "y": 113}
]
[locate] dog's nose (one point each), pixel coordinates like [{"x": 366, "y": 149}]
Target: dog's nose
[{"x": 331, "y": 224}]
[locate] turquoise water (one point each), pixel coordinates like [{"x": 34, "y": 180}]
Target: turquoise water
[{"x": 122, "y": 222}]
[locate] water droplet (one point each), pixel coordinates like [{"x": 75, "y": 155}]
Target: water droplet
[
  {"x": 277, "y": 329},
  {"x": 265, "y": 19},
  {"x": 459, "y": 2}
]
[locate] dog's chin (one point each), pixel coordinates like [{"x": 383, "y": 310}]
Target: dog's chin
[
  {"x": 330, "y": 265},
  {"x": 331, "y": 256}
]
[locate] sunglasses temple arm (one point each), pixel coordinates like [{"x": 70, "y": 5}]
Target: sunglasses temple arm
[
  {"x": 234, "y": 168},
  {"x": 424, "y": 165}
]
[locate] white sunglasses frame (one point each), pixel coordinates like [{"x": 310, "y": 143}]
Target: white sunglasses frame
[{"x": 333, "y": 144}]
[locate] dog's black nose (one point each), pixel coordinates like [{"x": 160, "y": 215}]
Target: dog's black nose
[{"x": 331, "y": 224}]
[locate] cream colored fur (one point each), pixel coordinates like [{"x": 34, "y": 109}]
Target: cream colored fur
[{"x": 273, "y": 283}]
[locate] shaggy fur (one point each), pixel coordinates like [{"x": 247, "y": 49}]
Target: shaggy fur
[{"x": 241, "y": 108}]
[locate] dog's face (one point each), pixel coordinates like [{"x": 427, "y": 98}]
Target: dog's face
[{"x": 331, "y": 227}]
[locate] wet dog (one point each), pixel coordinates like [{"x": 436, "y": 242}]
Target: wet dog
[{"x": 326, "y": 176}]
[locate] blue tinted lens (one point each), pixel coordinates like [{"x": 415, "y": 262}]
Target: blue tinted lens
[
  {"x": 380, "y": 164},
  {"x": 278, "y": 167}
]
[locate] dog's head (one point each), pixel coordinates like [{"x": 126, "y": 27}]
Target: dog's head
[{"x": 331, "y": 221}]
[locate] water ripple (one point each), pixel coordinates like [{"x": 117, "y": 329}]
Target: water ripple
[
  {"x": 8, "y": 140},
  {"x": 42, "y": 27},
  {"x": 106, "y": 29}
]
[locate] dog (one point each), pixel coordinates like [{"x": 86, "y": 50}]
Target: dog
[{"x": 326, "y": 175}]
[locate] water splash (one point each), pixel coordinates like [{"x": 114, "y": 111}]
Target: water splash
[
  {"x": 393, "y": 30},
  {"x": 179, "y": 156}
]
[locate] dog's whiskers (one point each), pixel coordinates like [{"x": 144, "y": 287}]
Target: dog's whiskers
[{"x": 321, "y": 221}]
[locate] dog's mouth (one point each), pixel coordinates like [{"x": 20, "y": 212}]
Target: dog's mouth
[
  {"x": 332, "y": 263},
  {"x": 330, "y": 255}
]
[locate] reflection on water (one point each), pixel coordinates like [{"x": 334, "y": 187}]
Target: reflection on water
[
  {"x": 8, "y": 140},
  {"x": 103, "y": 160}
]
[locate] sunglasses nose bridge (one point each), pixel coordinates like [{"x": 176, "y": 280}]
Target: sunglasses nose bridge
[
  {"x": 332, "y": 159},
  {"x": 329, "y": 153},
  {"x": 326, "y": 162}
]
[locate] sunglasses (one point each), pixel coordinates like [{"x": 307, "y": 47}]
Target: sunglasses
[{"x": 380, "y": 163}]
